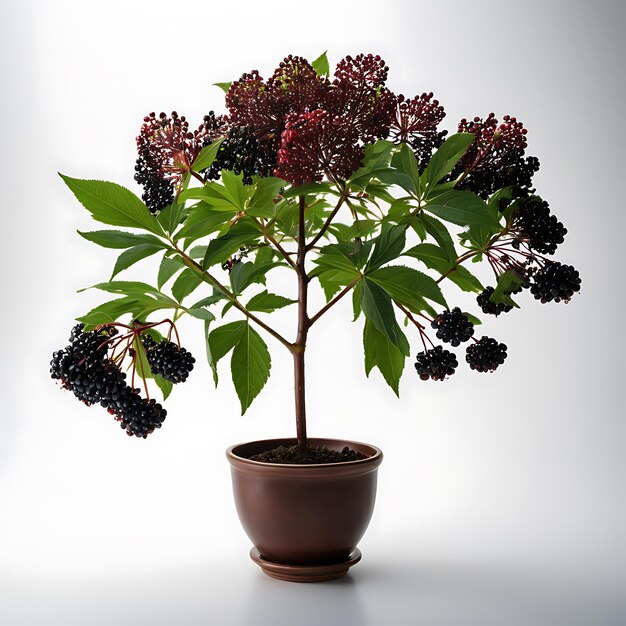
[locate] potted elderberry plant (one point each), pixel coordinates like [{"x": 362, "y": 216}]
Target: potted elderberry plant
[{"x": 346, "y": 187}]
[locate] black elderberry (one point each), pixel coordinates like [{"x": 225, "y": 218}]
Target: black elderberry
[
  {"x": 537, "y": 226},
  {"x": 491, "y": 308},
  {"x": 435, "y": 364},
  {"x": 453, "y": 327},
  {"x": 168, "y": 360},
  {"x": 556, "y": 282},
  {"x": 485, "y": 355}
]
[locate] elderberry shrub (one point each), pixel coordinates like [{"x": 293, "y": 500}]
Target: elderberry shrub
[
  {"x": 84, "y": 368},
  {"x": 486, "y": 355},
  {"x": 538, "y": 227},
  {"x": 168, "y": 360},
  {"x": 555, "y": 281},
  {"x": 491, "y": 308},
  {"x": 453, "y": 327},
  {"x": 435, "y": 364}
]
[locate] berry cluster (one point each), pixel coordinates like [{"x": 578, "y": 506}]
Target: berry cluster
[
  {"x": 436, "y": 364},
  {"x": 84, "y": 368},
  {"x": 237, "y": 258},
  {"x": 495, "y": 159},
  {"x": 453, "y": 327},
  {"x": 168, "y": 359},
  {"x": 485, "y": 355},
  {"x": 555, "y": 282},
  {"x": 534, "y": 224},
  {"x": 491, "y": 308}
]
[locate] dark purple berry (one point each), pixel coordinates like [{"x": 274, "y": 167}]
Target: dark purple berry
[
  {"x": 491, "y": 308},
  {"x": 485, "y": 355},
  {"x": 556, "y": 282},
  {"x": 534, "y": 224},
  {"x": 168, "y": 360},
  {"x": 453, "y": 327},
  {"x": 435, "y": 364}
]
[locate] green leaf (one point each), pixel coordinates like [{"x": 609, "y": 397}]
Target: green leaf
[
  {"x": 381, "y": 353},
  {"x": 268, "y": 302},
  {"x": 164, "y": 385},
  {"x": 203, "y": 220},
  {"x": 129, "y": 288},
  {"x": 321, "y": 65},
  {"x": 142, "y": 365},
  {"x": 242, "y": 275},
  {"x": 338, "y": 256},
  {"x": 409, "y": 166},
  {"x": 309, "y": 189},
  {"x": 112, "y": 204},
  {"x": 223, "y": 86},
  {"x": 132, "y": 255},
  {"x": 250, "y": 366},
  {"x": 507, "y": 283},
  {"x": 171, "y": 216},
  {"x": 388, "y": 247},
  {"x": 169, "y": 266},
  {"x": 186, "y": 283},
  {"x": 446, "y": 157},
  {"x": 224, "y": 338},
  {"x": 377, "y": 308},
  {"x": 462, "y": 208},
  {"x": 201, "y": 314},
  {"x": 262, "y": 201},
  {"x": 209, "y": 354},
  {"x": 245, "y": 231},
  {"x": 119, "y": 239},
  {"x": 235, "y": 190},
  {"x": 207, "y": 155},
  {"x": 376, "y": 157},
  {"x": 472, "y": 318},
  {"x": 440, "y": 234},
  {"x": 408, "y": 286},
  {"x": 435, "y": 258},
  {"x": 332, "y": 280},
  {"x": 110, "y": 311}
]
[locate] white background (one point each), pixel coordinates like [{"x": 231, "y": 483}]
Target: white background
[{"x": 501, "y": 497}]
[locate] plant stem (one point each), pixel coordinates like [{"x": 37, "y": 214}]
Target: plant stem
[
  {"x": 303, "y": 329},
  {"x": 329, "y": 219},
  {"x": 211, "y": 280},
  {"x": 334, "y": 301}
]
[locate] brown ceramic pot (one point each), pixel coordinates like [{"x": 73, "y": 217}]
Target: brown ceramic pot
[{"x": 305, "y": 521}]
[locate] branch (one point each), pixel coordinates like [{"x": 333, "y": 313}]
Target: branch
[
  {"x": 211, "y": 280},
  {"x": 329, "y": 219},
  {"x": 275, "y": 243},
  {"x": 334, "y": 301}
]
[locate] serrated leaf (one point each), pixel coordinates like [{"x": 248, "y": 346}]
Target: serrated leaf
[
  {"x": 113, "y": 204},
  {"x": 410, "y": 166},
  {"x": 408, "y": 286},
  {"x": 207, "y": 155},
  {"x": 262, "y": 202},
  {"x": 244, "y": 231},
  {"x": 242, "y": 275},
  {"x": 171, "y": 216},
  {"x": 309, "y": 189},
  {"x": 250, "y": 366},
  {"x": 388, "y": 247},
  {"x": 224, "y": 338},
  {"x": 209, "y": 355},
  {"x": 132, "y": 255},
  {"x": 446, "y": 157},
  {"x": 110, "y": 311},
  {"x": 377, "y": 308},
  {"x": 440, "y": 234},
  {"x": 381, "y": 353},
  {"x": 203, "y": 220},
  {"x": 187, "y": 281},
  {"x": 201, "y": 314},
  {"x": 462, "y": 208},
  {"x": 507, "y": 283},
  {"x": 165, "y": 386},
  {"x": 267, "y": 302},
  {"x": 169, "y": 266},
  {"x": 120, "y": 239},
  {"x": 321, "y": 65}
]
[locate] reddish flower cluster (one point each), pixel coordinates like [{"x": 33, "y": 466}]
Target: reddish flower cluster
[
  {"x": 415, "y": 122},
  {"x": 167, "y": 148},
  {"x": 296, "y": 124},
  {"x": 495, "y": 158}
]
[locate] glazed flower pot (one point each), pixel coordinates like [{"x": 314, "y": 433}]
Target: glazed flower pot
[{"x": 304, "y": 521}]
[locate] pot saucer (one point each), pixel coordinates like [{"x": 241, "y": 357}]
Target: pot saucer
[{"x": 305, "y": 573}]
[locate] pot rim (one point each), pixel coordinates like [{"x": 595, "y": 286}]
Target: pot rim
[{"x": 343, "y": 467}]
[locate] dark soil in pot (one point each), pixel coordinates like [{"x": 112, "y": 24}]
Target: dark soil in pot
[{"x": 314, "y": 455}]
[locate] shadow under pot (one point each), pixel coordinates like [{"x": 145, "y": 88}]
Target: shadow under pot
[{"x": 304, "y": 521}]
